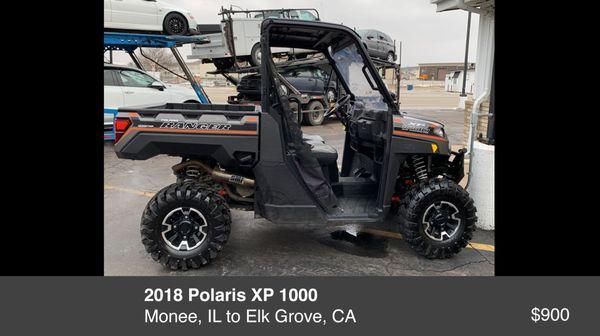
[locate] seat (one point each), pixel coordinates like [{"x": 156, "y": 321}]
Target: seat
[
  {"x": 312, "y": 138},
  {"x": 324, "y": 153}
]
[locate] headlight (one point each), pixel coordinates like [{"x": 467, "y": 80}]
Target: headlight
[{"x": 439, "y": 131}]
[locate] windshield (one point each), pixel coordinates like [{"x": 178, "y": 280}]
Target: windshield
[{"x": 359, "y": 79}]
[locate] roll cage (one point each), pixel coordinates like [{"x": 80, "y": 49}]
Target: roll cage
[{"x": 330, "y": 40}]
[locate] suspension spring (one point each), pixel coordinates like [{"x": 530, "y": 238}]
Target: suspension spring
[{"x": 420, "y": 167}]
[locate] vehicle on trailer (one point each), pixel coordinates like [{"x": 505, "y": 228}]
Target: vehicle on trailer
[
  {"x": 127, "y": 86},
  {"x": 238, "y": 37},
  {"x": 315, "y": 85},
  {"x": 241, "y": 156},
  {"x": 379, "y": 44},
  {"x": 148, "y": 16}
]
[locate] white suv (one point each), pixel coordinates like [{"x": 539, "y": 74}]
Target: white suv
[{"x": 125, "y": 86}]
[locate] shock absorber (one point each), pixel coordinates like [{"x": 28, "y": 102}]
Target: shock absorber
[{"x": 420, "y": 167}]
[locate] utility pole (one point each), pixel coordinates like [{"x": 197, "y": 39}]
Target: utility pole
[
  {"x": 464, "y": 83},
  {"x": 399, "y": 74}
]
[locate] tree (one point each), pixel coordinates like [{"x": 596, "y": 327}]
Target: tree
[{"x": 160, "y": 55}]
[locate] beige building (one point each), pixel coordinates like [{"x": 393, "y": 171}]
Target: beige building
[{"x": 438, "y": 71}]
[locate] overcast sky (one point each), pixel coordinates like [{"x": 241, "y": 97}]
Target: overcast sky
[{"x": 426, "y": 36}]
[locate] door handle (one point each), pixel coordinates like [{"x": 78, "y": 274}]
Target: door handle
[{"x": 128, "y": 92}]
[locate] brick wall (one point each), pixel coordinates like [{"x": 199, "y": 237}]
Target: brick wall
[{"x": 482, "y": 123}]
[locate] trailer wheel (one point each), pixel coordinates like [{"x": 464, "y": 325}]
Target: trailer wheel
[
  {"x": 315, "y": 118},
  {"x": 185, "y": 226},
  {"x": 438, "y": 218},
  {"x": 255, "y": 55},
  {"x": 175, "y": 24}
]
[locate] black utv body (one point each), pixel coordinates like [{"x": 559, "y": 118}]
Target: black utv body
[{"x": 257, "y": 158}]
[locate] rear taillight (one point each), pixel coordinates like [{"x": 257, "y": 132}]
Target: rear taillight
[{"x": 121, "y": 126}]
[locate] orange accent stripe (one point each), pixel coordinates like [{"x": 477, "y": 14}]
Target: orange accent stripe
[
  {"x": 403, "y": 133},
  {"x": 255, "y": 119},
  {"x": 166, "y": 130}
]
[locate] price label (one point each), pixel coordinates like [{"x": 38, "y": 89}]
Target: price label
[{"x": 550, "y": 314}]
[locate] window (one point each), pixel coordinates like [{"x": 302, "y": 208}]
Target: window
[
  {"x": 359, "y": 78},
  {"x": 302, "y": 15},
  {"x": 270, "y": 15},
  {"x": 108, "y": 78},
  {"x": 135, "y": 78},
  {"x": 319, "y": 73},
  {"x": 362, "y": 33}
]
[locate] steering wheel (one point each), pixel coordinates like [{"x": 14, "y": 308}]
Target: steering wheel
[{"x": 339, "y": 110}]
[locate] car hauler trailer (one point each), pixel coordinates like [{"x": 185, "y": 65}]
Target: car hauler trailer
[
  {"x": 130, "y": 42},
  {"x": 238, "y": 38}
]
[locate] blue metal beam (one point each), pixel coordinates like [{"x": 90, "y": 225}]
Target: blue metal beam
[{"x": 131, "y": 41}]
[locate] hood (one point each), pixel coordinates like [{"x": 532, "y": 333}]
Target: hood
[{"x": 419, "y": 125}]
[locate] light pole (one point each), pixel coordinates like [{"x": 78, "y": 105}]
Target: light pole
[{"x": 464, "y": 83}]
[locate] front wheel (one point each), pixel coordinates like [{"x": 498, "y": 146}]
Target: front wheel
[
  {"x": 185, "y": 225},
  {"x": 438, "y": 218},
  {"x": 175, "y": 24}
]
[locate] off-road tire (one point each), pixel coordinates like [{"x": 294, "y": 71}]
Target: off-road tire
[
  {"x": 314, "y": 118},
  {"x": 175, "y": 24},
  {"x": 412, "y": 210},
  {"x": 196, "y": 196}
]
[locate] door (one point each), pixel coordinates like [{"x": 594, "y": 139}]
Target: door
[
  {"x": 136, "y": 90},
  {"x": 113, "y": 94},
  {"x": 371, "y": 41},
  {"x": 135, "y": 14},
  {"x": 113, "y": 99},
  {"x": 301, "y": 79},
  {"x": 382, "y": 45}
]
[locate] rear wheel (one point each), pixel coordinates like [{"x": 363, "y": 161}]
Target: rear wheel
[
  {"x": 175, "y": 24},
  {"x": 255, "y": 55},
  {"x": 316, "y": 115},
  {"x": 390, "y": 57},
  {"x": 438, "y": 218},
  {"x": 185, "y": 225}
]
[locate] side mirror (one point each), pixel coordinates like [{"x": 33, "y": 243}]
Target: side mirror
[{"x": 157, "y": 85}]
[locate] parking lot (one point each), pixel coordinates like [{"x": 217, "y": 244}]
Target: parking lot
[{"x": 258, "y": 247}]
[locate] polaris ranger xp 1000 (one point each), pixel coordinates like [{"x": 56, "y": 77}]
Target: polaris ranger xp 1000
[{"x": 257, "y": 158}]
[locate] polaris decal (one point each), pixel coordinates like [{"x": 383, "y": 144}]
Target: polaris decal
[
  {"x": 414, "y": 127},
  {"x": 185, "y": 125}
]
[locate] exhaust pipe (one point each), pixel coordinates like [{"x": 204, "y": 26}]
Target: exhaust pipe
[{"x": 216, "y": 174}]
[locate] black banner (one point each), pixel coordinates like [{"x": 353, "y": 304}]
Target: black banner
[{"x": 297, "y": 306}]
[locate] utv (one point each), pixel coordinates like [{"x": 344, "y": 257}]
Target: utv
[{"x": 257, "y": 158}]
